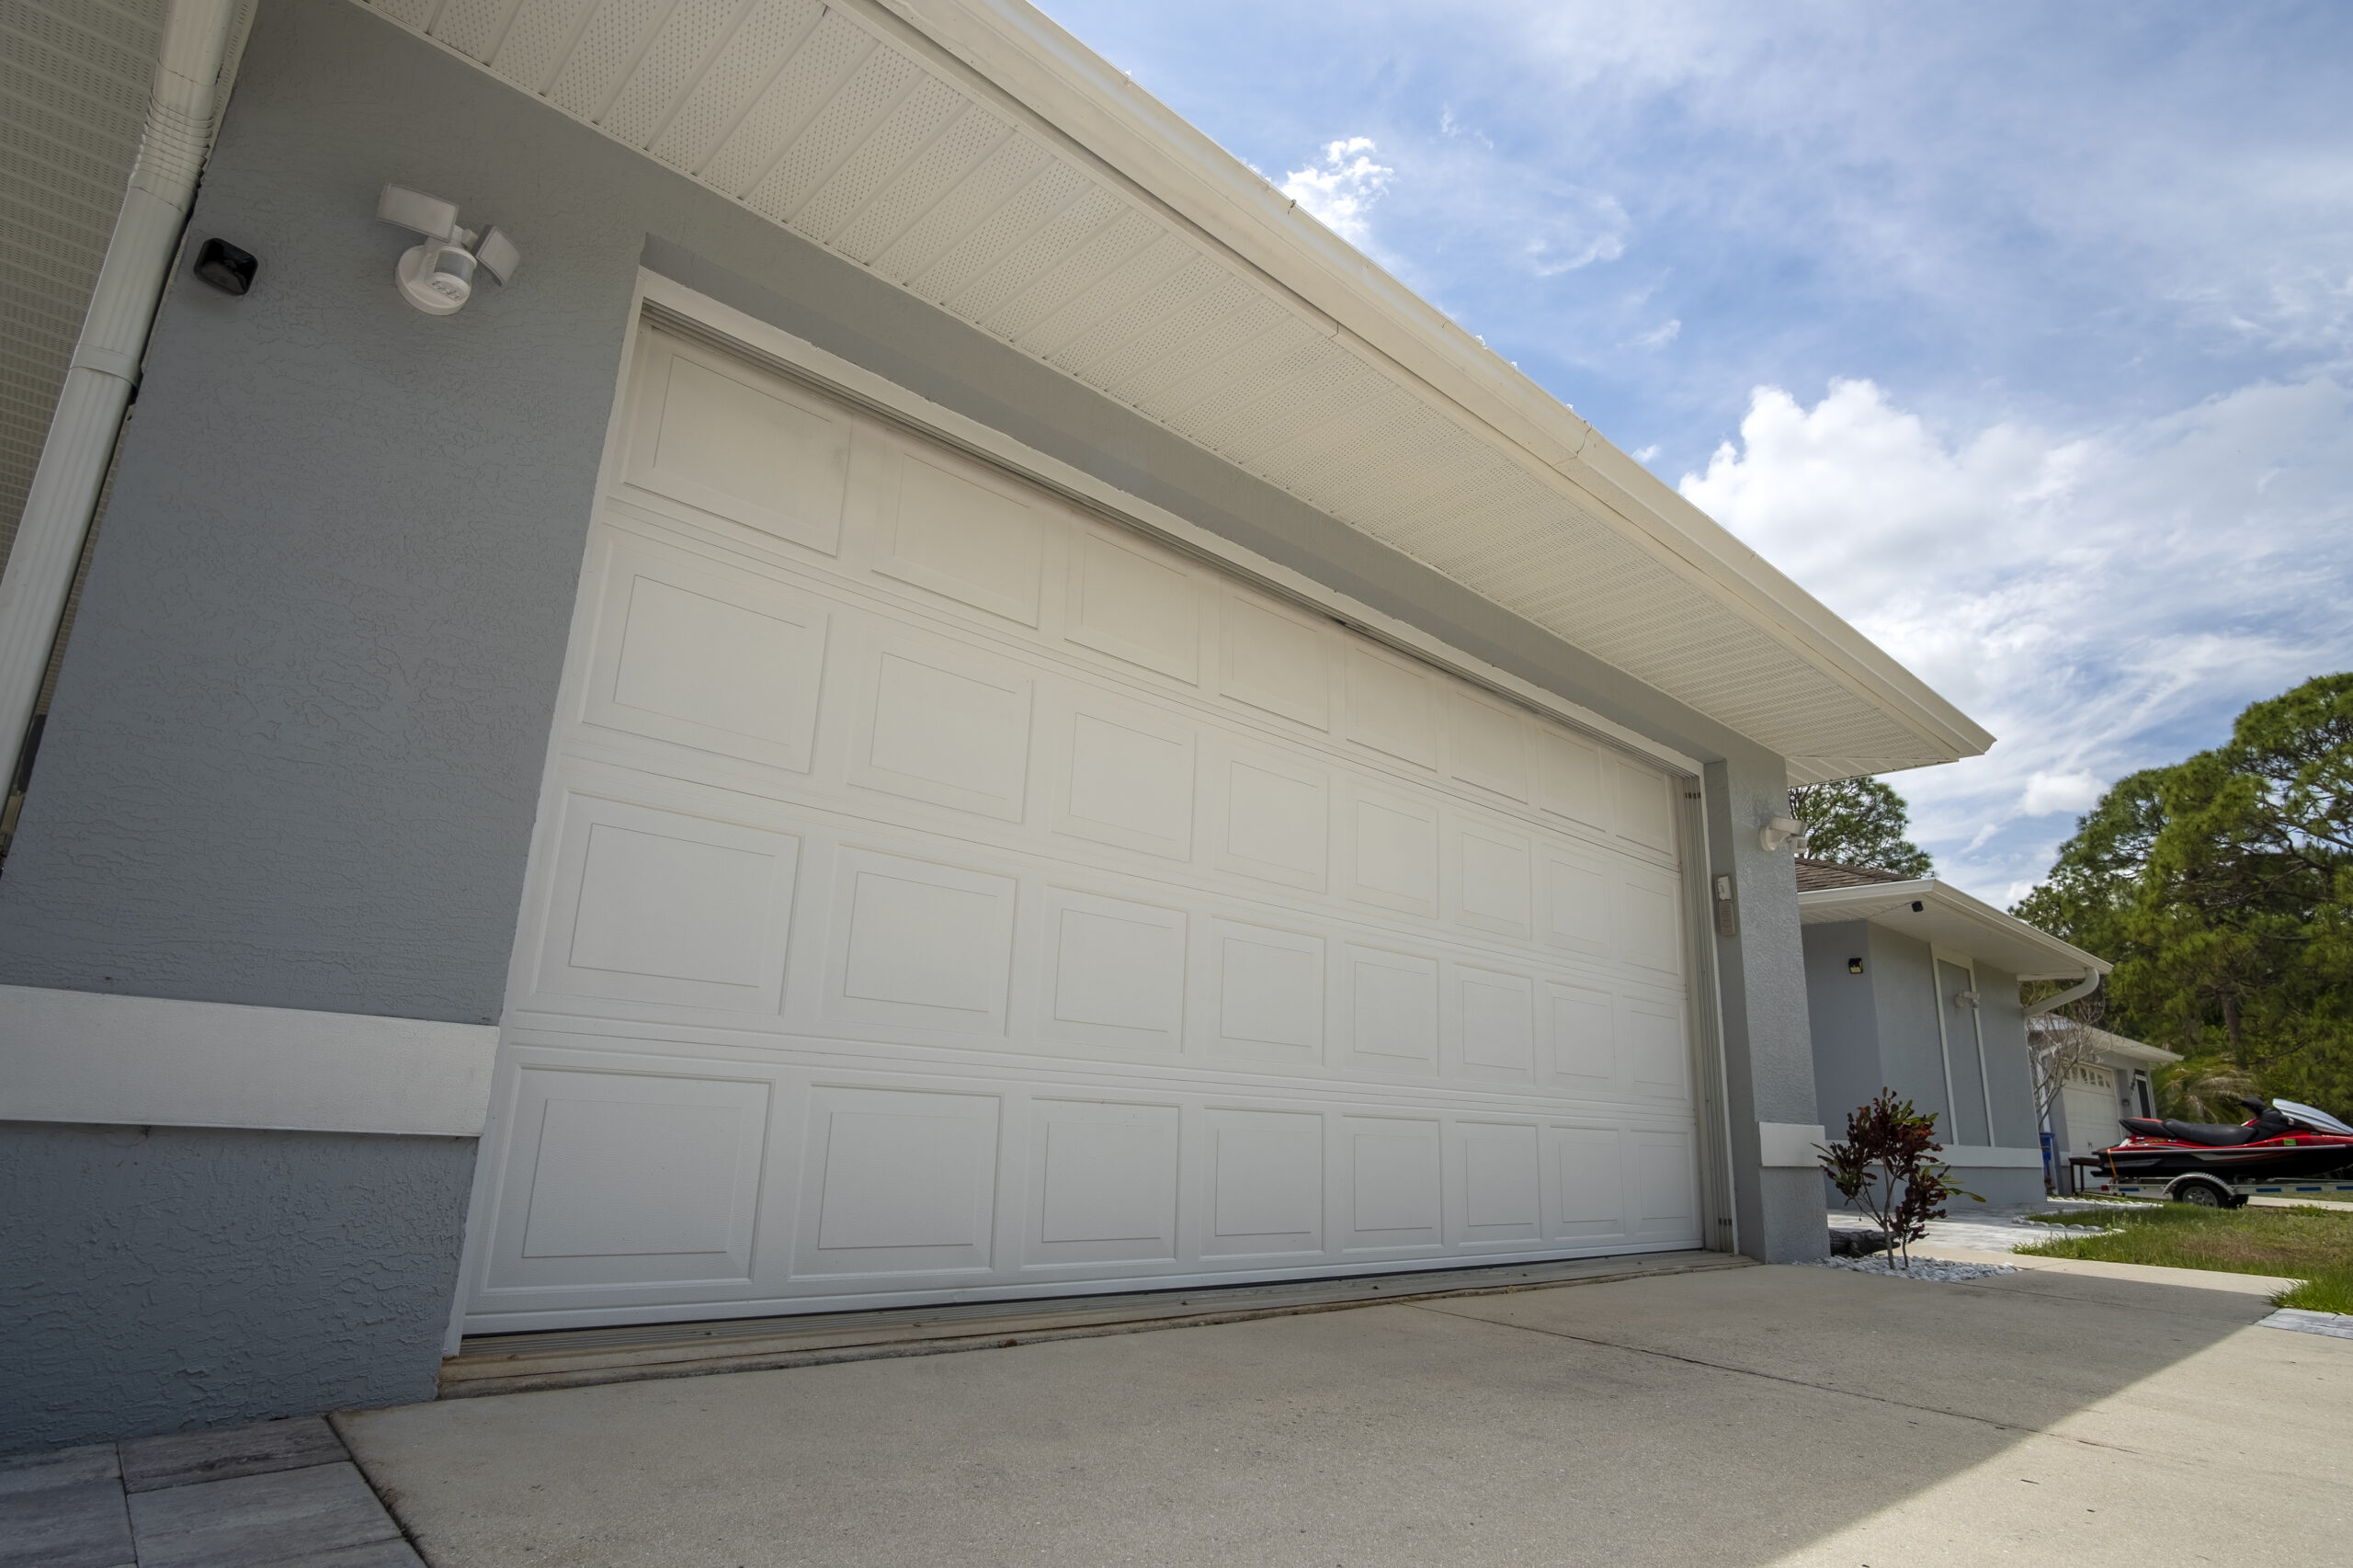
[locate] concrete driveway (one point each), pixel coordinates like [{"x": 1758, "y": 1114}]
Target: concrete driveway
[{"x": 2070, "y": 1415}]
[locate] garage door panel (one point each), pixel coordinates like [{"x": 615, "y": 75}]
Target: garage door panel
[
  {"x": 1487, "y": 746},
  {"x": 922, "y": 943},
  {"x": 960, "y": 531},
  {"x": 1126, "y": 775},
  {"x": 1265, "y": 994},
  {"x": 1590, "y": 1182},
  {"x": 1655, "y": 1049},
  {"x": 1394, "y": 1191},
  {"x": 1491, "y": 876},
  {"x": 726, "y": 662},
  {"x": 1115, "y": 973},
  {"x": 1392, "y": 707},
  {"x": 1275, "y": 661},
  {"x": 1388, "y": 847},
  {"x": 1493, "y": 1024},
  {"x": 656, "y": 905},
  {"x": 1576, "y": 901},
  {"x": 898, "y": 1182},
  {"x": 1104, "y": 1182},
  {"x": 725, "y": 439},
  {"x": 628, "y": 1178},
  {"x": 1390, "y": 1010},
  {"x": 1136, "y": 604},
  {"x": 1275, "y": 813},
  {"x": 1574, "y": 779},
  {"x": 942, "y": 721},
  {"x": 1650, "y": 927},
  {"x": 1665, "y": 1183},
  {"x": 1048, "y": 908},
  {"x": 1501, "y": 1183},
  {"x": 1264, "y": 1183}
]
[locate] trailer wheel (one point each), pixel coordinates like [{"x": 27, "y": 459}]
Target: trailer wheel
[{"x": 2204, "y": 1194}]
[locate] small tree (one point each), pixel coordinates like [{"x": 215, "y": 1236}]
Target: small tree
[{"x": 1885, "y": 1168}]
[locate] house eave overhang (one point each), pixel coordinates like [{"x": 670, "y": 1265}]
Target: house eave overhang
[
  {"x": 1949, "y": 918},
  {"x": 1398, "y": 423}
]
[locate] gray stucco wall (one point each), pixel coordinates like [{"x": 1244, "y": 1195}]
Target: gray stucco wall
[
  {"x": 1903, "y": 988},
  {"x": 2002, "y": 1018},
  {"x": 1843, "y": 1017},
  {"x": 157, "y": 1280},
  {"x": 1768, "y": 1039}
]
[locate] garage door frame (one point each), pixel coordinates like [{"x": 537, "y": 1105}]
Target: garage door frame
[{"x": 681, "y": 312}]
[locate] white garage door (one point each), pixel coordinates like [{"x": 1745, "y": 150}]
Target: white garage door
[{"x": 941, "y": 892}]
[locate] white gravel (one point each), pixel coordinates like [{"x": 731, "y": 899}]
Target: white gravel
[{"x": 1935, "y": 1270}]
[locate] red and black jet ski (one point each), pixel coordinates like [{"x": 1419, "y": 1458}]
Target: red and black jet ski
[{"x": 2281, "y": 1142}]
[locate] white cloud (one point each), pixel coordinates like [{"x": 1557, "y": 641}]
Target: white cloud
[
  {"x": 2102, "y": 601},
  {"x": 2049, "y": 793},
  {"x": 1340, "y": 188},
  {"x": 1659, "y": 337}
]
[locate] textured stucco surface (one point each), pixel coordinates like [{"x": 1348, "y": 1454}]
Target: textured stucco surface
[
  {"x": 1844, "y": 1019},
  {"x": 163, "y": 1280},
  {"x": 1912, "y": 1057},
  {"x": 1767, "y": 1034},
  {"x": 298, "y": 739}
]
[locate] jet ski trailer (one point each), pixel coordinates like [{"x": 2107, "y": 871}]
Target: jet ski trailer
[{"x": 2283, "y": 1143}]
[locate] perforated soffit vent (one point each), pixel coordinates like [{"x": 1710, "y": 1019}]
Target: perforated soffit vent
[{"x": 854, "y": 130}]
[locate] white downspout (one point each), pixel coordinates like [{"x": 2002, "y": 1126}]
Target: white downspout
[
  {"x": 2076, "y": 992},
  {"x": 64, "y": 494}
]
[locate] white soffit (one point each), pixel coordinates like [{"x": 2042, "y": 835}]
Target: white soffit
[
  {"x": 72, "y": 102},
  {"x": 1949, "y": 918},
  {"x": 978, "y": 156}
]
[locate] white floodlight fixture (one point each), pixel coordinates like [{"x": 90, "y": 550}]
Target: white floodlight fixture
[
  {"x": 436, "y": 274},
  {"x": 1781, "y": 831}
]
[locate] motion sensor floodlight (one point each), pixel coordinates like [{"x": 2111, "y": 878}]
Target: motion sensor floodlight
[
  {"x": 436, "y": 274},
  {"x": 1781, "y": 831}
]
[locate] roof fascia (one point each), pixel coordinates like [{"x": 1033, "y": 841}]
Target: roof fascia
[
  {"x": 2074, "y": 962},
  {"x": 1169, "y": 162}
]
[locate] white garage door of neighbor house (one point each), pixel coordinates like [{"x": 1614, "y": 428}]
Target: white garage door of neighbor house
[{"x": 941, "y": 891}]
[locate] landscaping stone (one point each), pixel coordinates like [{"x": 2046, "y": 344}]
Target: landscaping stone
[{"x": 1938, "y": 1271}]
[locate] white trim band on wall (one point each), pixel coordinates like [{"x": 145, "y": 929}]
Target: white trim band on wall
[
  {"x": 142, "y": 1060},
  {"x": 1782, "y": 1145}
]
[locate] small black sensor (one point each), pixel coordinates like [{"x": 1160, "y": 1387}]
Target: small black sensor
[{"x": 225, "y": 266}]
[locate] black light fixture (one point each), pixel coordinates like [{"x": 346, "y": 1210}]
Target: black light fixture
[
  {"x": 1854, "y": 966},
  {"x": 225, "y": 266},
  {"x": 1917, "y": 906}
]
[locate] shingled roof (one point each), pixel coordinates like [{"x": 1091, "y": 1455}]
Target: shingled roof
[{"x": 1816, "y": 875}]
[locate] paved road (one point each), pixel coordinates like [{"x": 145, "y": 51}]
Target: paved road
[{"x": 2065, "y": 1414}]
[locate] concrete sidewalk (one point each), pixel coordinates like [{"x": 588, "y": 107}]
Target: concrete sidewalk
[
  {"x": 1748, "y": 1417},
  {"x": 280, "y": 1494}
]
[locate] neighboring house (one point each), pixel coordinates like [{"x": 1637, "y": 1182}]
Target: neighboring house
[
  {"x": 2102, "y": 1076},
  {"x": 1913, "y": 986},
  {"x": 941, "y": 698}
]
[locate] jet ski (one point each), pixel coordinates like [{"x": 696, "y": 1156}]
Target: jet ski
[{"x": 2279, "y": 1141}]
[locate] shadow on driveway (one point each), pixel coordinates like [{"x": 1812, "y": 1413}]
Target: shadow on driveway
[{"x": 1749, "y": 1416}]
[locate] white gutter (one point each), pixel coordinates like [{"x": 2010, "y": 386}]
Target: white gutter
[
  {"x": 59, "y": 507},
  {"x": 2081, "y": 989}
]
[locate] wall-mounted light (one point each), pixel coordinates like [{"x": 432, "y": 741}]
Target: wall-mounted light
[
  {"x": 1917, "y": 906},
  {"x": 1965, "y": 998},
  {"x": 1854, "y": 966},
  {"x": 1781, "y": 831},
  {"x": 438, "y": 275}
]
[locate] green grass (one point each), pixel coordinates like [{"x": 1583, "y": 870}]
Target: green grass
[
  {"x": 2323, "y": 1293},
  {"x": 2311, "y": 1244}
]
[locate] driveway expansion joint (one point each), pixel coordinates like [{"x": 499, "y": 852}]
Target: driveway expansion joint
[{"x": 1775, "y": 1378}]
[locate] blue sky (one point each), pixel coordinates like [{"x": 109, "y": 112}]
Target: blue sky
[{"x": 2021, "y": 335}]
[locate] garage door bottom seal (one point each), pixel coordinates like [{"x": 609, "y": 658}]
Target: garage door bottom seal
[{"x": 513, "y": 1363}]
